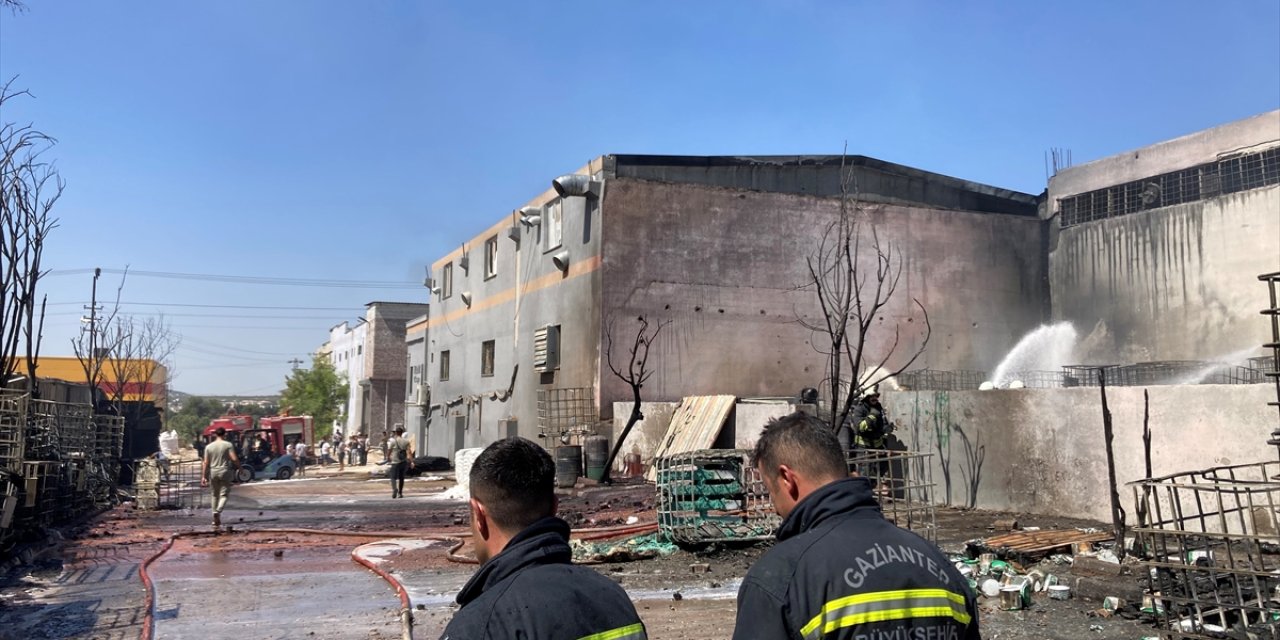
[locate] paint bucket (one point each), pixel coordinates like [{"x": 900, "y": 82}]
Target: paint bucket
[
  {"x": 1059, "y": 592},
  {"x": 998, "y": 567},
  {"x": 990, "y": 588},
  {"x": 632, "y": 466},
  {"x": 1036, "y": 577},
  {"x": 1011, "y": 598},
  {"x": 1081, "y": 548},
  {"x": 984, "y": 563},
  {"x": 1008, "y": 578},
  {"x": 1152, "y": 605},
  {"x": 596, "y": 452},
  {"x": 1200, "y": 557},
  {"x": 1112, "y": 603},
  {"x": 568, "y": 465}
]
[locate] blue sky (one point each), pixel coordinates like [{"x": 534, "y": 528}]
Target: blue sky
[{"x": 361, "y": 140}]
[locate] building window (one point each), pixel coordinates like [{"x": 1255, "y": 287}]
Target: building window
[
  {"x": 446, "y": 281},
  {"x": 444, "y": 365},
  {"x": 486, "y": 358},
  {"x": 491, "y": 257},
  {"x": 553, "y": 223},
  {"x": 359, "y": 349}
]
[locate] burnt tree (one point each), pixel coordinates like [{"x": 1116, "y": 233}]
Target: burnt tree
[
  {"x": 635, "y": 372},
  {"x": 29, "y": 188},
  {"x": 854, "y": 274}
]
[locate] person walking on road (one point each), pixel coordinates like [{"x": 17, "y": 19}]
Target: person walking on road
[
  {"x": 399, "y": 455},
  {"x": 218, "y": 471},
  {"x": 527, "y": 585},
  {"x": 840, "y": 570},
  {"x": 300, "y": 457}
]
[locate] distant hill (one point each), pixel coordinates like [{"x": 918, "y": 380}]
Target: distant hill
[{"x": 178, "y": 398}]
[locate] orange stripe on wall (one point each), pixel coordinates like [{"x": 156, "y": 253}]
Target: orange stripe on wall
[{"x": 576, "y": 268}]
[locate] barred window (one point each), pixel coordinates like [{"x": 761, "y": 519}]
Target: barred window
[{"x": 1229, "y": 175}]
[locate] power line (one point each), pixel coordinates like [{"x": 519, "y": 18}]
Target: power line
[
  {"x": 219, "y": 306},
  {"x": 259, "y": 280},
  {"x": 203, "y": 315},
  {"x": 210, "y": 343}
]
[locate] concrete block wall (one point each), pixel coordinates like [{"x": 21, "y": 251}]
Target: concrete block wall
[{"x": 1044, "y": 449}]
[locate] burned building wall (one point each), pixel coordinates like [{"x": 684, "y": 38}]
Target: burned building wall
[
  {"x": 727, "y": 267},
  {"x": 1176, "y": 283},
  {"x": 1154, "y": 253},
  {"x": 1041, "y": 450}
]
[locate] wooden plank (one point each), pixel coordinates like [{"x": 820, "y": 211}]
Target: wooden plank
[{"x": 695, "y": 425}]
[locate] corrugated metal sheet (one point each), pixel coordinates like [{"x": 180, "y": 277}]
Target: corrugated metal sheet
[{"x": 694, "y": 426}]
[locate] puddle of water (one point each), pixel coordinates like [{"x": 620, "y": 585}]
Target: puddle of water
[{"x": 726, "y": 591}]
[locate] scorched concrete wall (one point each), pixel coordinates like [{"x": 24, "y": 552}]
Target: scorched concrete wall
[
  {"x": 724, "y": 267},
  {"x": 1176, "y": 283},
  {"x": 1041, "y": 450}
]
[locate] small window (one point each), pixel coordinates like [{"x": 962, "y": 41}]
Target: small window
[
  {"x": 554, "y": 225},
  {"x": 446, "y": 281},
  {"x": 486, "y": 358},
  {"x": 491, "y": 257},
  {"x": 359, "y": 349},
  {"x": 444, "y": 365}
]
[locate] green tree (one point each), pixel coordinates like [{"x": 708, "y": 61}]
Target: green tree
[
  {"x": 194, "y": 417},
  {"x": 318, "y": 392}
]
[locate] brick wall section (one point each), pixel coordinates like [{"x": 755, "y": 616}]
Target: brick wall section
[{"x": 385, "y": 364}]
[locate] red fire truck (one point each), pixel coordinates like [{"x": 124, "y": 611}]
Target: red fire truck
[{"x": 279, "y": 431}]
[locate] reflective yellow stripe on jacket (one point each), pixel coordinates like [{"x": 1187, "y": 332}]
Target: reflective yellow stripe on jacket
[
  {"x": 629, "y": 632},
  {"x": 881, "y": 606}
]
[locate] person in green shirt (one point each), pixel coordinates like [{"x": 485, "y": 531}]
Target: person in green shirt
[{"x": 218, "y": 471}]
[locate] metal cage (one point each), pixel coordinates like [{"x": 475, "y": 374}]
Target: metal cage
[
  {"x": 1209, "y": 541},
  {"x": 713, "y": 495}
]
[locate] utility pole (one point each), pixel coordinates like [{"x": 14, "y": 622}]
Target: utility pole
[
  {"x": 93, "y": 330},
  {"x": 296, "y": 363}
]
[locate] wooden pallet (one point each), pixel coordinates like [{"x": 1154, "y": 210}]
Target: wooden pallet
[{"x": 1035, "y": 544}]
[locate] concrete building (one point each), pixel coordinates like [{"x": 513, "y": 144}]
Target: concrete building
[
  {"x": 345, "y": 349},
  {"x": 1154, "y": 254},
  {"x": 417, "y": 393},
  {"x": 371, "y": 355},
  {"x": 382, "y": 385},
  {"x": 717, "y": 247}
]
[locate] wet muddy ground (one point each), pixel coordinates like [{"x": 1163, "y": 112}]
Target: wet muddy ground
[{"x": 254, "y": 583}]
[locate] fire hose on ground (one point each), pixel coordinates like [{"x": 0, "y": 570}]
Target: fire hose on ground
[{"x": 406, "y": 612}]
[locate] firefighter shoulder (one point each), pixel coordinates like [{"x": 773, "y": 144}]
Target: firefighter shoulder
[
  {"x": 841, "y": 571},
  {"x": 532, "y": 590}
]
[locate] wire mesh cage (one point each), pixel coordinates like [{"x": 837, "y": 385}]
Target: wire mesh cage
[
  {"x": 1087, "y": 375},
  {"x": 713, "y": 495},
  {"x": 1209, "y": 541},
  {"x": 935, "y": 380},
  {"x": 903, "y": 483},
  {"x": 13, "y": 418},
  {"x": 566, "y": 415},
  {"x": 177, "y": 485}
]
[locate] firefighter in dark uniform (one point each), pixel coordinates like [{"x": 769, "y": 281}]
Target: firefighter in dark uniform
[
  {"x": 527, "y": 585},
  {"x": 839, "y": 569}
]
